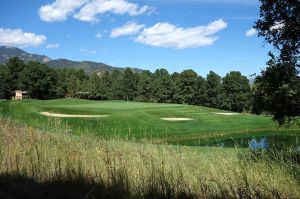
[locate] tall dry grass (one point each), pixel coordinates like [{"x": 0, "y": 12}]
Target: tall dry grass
[{"x": 38, "y": 164}]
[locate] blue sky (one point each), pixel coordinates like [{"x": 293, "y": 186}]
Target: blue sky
[{"x": 202, "y": 35}]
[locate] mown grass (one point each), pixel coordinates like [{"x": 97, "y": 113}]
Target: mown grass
[
  {"x": 38, "y": 164},
  {"x": 138, "y": 120}
]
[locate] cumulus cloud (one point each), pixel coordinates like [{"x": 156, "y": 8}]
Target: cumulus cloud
[
  {"x": 59, "y": 10},
  {"x": 130, "y": 28},
  {"x": 87, "y": 10},
  {"x": 52, "y": 46},
  {"x": 90, "y": 11},
  {"x": 83, "y": 50},
  {"x": 16, "y": 37},
  {"x": 170, "y": 36},
  {"x": 250, "y": 32}
]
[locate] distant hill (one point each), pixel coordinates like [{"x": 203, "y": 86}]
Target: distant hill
[
  {"x": 89, "y": 67},
  {"x": 7, "y": 52}
]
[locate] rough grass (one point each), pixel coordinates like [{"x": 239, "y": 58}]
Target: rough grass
[
  {"x": 38, "y": 164},
  {"x": 138, "y": 120}
]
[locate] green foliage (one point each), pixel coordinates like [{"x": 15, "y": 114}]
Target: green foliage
[
  {"x": 213, "y": 89},
  {"x": 95, "y": 87},
  {"x": 177, "y": 97},
  {"x": 162, "y": 85},
  {"x": 5, "y": 83},
  {"x": 276, "y": 90},
  {"x": 145, "y": 87},
  {"x": 200, "y": 91},
  {"x": 129, "y": 84},
  {"x": 181, "y": 88},
  {"x": 236, "y": 92},
  {"x": 187, "y": 86},
  {"x": 76, "y": 82},
  {"x": 116, "y": 85},
  {"x": 39, "y": 80},
  {"x": 15, "y": 67},
  {"x": 279, "y": 24}
]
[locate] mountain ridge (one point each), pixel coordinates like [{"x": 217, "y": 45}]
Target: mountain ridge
[{"x": 7, "y": 52}]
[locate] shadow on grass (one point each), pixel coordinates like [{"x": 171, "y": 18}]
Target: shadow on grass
[{"x": 21, "y": 187}]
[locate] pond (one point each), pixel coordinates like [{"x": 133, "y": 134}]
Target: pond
[{"x": 272, "y": 142}]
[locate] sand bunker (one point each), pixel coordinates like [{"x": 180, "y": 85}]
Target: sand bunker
[
  {"x": 71, "y": 116},
  {"x": 176, "y": 119},
  {"x": 227, "y": 113}
]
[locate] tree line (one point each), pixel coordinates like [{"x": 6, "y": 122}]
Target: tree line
[{"x": 231, "y": 92}]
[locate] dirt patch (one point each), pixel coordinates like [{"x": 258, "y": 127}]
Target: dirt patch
[
  {"x": 176, "y": 119},
  {"x": 220, "y": 113},
  {"x": 72, "y": 116}
]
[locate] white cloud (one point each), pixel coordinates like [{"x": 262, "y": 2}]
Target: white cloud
[
  {"x": 52, "y": 46},
  {"x": 98, "y": 35},
  {"x": 87, "y": 10},
  {"x": 90, "y": 10},
  {"x": 169, "y": 36},
  {"x": 83, "y": 50},
  {"x": 59, "y": 10},
  {"x": 16, "y": 37},
  {"x": 278, "y": 26},
  {"x": 130, "y": 28},
  {"x": 250, "y": 32}
]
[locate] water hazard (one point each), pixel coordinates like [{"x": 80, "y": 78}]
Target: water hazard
[{"x": 273, "y": 142}]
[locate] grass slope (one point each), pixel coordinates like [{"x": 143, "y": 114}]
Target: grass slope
[{"x": 138, "y": 120}]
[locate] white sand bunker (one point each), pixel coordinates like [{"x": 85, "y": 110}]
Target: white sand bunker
[
  {"x": 220, "y": 113},
  {"x": 176, "y": 119},
  {"x": 71, "y": 116}
]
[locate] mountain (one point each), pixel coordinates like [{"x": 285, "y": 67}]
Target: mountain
[
  {"x": 7, "y": 52},
  {"x": 89, "y": 67}
]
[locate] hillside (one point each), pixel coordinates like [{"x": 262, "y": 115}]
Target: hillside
[
  {"x": 7, "y": 52},
  {"x": 89, "y": 67}
]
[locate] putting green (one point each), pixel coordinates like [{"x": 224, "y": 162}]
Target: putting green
[{"x": 138, "y": 120}]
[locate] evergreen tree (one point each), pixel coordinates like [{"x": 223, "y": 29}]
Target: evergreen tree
[
  {"x": 213, "y": 90},
  {"x": 39, "y": 80},
  {"x": 236, "y": 92},
  {"x": 96, "y": 88},
  {"x": 162, "y": 84},
  {"x": 15, "y": 67},
  {"x": 176, "y": 85},
  {"x": 201, "y": 91},
  {"x": 188, "y": 86},
  {"x": 145, "y": 87},
  {"x": 107, "y": 82},
  {"x": 129, "y": 84},
  {"x": 5, "y": 83},
  {"x": 116, "y": 86}
]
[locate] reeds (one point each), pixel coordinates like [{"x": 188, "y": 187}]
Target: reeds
[{"x": 39, "y": 164}]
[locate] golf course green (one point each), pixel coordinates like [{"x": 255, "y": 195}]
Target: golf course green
[{"x": 173, "y": 123}]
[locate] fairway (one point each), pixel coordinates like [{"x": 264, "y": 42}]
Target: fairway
[{"x": 182, "y": 124}]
